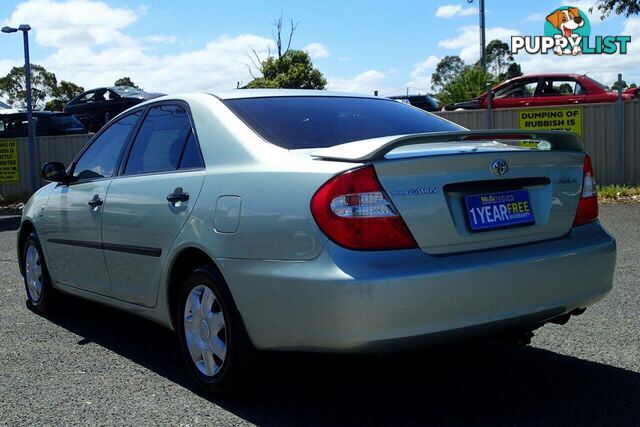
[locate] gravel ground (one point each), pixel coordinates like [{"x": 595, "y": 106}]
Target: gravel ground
[{"x": 88, "y": 364}]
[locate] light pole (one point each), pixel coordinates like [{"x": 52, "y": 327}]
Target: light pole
[
  {"x": 30, "y": 123},
  {"x": 483, "y": 50}
]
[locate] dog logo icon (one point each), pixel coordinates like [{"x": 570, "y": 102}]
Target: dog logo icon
[{"x": 566, "y": 22}]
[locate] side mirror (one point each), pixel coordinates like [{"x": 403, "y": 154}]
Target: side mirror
[{"x": 55, "y": 172}]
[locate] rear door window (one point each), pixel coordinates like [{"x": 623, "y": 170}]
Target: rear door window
[
  {"x": 519, "y": 89},
  {"x": 191, "y": 159},
  {"x": 561, "y": 87},
  {"x": 161, "y": 142}
]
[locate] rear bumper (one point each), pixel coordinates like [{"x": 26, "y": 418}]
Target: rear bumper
[{"x": 346, "y": 301}]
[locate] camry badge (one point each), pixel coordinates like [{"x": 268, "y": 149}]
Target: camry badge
[
  {"x": 415, "y": 191},
  {"x": 499, "y": 167}
]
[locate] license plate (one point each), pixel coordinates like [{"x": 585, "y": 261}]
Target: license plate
[{"x": 499, "y": 210}]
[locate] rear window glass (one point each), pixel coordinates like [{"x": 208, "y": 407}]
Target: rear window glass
[
  {"x": 160, "y": 141},
  {"x": 316, "y": 122},
  {"x": 60, "y": 121}
]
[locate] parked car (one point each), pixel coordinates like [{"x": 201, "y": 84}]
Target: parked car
[
  {"x": 96, "y": 107},
  {"x": 424, "y": 102},
  {"x": 7, "y": 109},
  {"x": 633, "y": 92},
  {"x": 539, "y": 90},
  {"x": 48, "y": 123},
  {"x": 311, "y": 220}
]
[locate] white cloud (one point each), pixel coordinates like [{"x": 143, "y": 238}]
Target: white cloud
[
  {"x": 365, "y": 82},
  {"x": 316, "y": 50},
  {"x": 159, "y": 38},
  {"x": 73, "y": 23},
  {"x": 220, "y": 65},
  {"x": 421, "y": 74},
  {"x": 451, "y": 10},
  {"x": 468, "y": 40},
  {"x": 91, "y": 49}
]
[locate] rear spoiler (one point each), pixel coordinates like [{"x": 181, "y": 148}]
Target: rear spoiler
[{"x": 375, "y": 149}]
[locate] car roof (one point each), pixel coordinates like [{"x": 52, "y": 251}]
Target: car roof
[
  {"x": 37, "y": 113},
  {"x": 271, "y": 93},
  {"x": 409, "y": 96},
  {"x": 528, "y": 76},
  {"x": 107, "y": 87}
]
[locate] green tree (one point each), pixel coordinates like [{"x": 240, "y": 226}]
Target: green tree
[
  {"x": 290, "y": 69},
  {"x": 293, "y": 70},
  {"x": 62, "y": 94},
  {"x": 619, "y": 7},
  {"x": 633, "y": 85},
  {"x": 125, "y": 81},
  {"x": 499, "y": 58},
  {"x": 469, "y": 84},
  {"x": 513, "y": 71},
  {"x": 447, "y": 69},
  {"x": 614, "y": 86},
  {"x": 43, "y": 83}
]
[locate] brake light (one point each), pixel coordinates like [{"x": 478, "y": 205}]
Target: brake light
[
  {"x": 354, "y": 211},
  {"x": 588, "y": 206}
]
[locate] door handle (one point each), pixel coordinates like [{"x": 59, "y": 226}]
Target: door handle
[
  {"x": 96, "y": 201},
  {"x": 177, "y": 196}
]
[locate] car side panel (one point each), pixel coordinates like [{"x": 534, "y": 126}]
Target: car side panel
[
  {"x": 74, "y": 237},
  {"x": 143, "y": 225},
  {"x": 33, "y": 212}
]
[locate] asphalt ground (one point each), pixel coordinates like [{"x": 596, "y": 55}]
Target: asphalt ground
[{"x": 92, "y": 365}]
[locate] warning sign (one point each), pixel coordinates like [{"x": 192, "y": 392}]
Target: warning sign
[
  {"x": 569, "y": 119},
  {"x": 9, "y": 169}
]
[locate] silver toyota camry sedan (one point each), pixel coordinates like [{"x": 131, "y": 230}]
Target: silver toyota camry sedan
[{"x": 315, "y": 221}]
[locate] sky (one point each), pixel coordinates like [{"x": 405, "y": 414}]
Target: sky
[{"x": 360, "y": 46}]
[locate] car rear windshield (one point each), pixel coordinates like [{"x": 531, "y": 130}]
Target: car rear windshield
[
  {"x": 62, "y": 121},
  {"x": 323, "y": 121},
  {"x": 126, "y": 90}
]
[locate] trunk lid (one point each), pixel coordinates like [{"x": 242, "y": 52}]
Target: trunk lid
[{"x": 429, "y": 177}]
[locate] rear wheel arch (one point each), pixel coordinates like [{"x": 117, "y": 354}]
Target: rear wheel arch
[{"x": 185, "y": 262}]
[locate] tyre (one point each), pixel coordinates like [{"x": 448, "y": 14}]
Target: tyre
[
  {"x": 40, "y": 292},
  {"x": 214, "y": 344}
]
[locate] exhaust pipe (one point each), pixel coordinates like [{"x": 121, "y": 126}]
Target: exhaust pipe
[
  {"x": 578, "y": 311},
  {"x": 563, "y": 319}
]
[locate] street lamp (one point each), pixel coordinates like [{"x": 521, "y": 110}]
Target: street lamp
[
  {"x": 483, "y": 51},
  {"x": 30, "y": 123}
]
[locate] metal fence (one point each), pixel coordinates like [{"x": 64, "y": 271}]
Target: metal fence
[
  {"x": 599, "y": 132},
  {"x": 50, "y": 149}
]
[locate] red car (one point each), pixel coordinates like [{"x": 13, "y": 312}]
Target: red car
[{"x": 539, "y": 90}]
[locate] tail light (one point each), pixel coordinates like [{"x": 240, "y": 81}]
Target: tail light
[
  {"x": 354, "y": 211},
  {"x": 588, "y": 206}
]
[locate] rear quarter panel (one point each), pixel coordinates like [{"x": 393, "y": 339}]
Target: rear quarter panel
[{"x": 275, "y": 187}]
